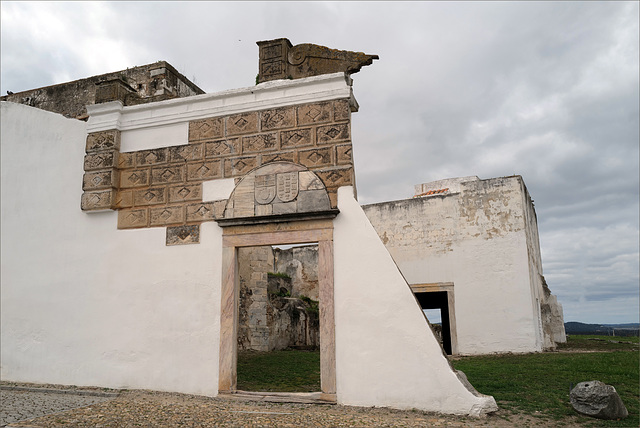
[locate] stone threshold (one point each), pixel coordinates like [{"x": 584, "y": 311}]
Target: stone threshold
[{"x": 282, "y": 397}]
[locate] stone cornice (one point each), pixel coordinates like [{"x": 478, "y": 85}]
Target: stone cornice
[{"x": 280, "y": 93}]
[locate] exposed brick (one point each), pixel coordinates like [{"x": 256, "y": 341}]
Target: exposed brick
[
  {"x": 239, "y": 166},
  {"x": 129, "y": 219},
  {"x": 100, "y": 160},
  {"x": 103, "y": 140},
  {"x": 277, "y": 118},
  {"x": 181, "y": 235},
  {"x": 206, "y": 129},
  {"x": 186, "y": 192},
  {"x": 152, "y": 157},
  {"x": 314, "y": 113},
  {"x": 332, "y": 133},
  {"x": 203, "y": 211},
  {"x": 296, "y": 138},
  {"x": 202, "y": 171},
  {"x": 260, "y": 142},
  {"x": 150, "y": 196},
  {"x": 245, "y": 123},
  {"x": 164, "y": 216},
  {"x": 316, "y": 157},
  {"x": 168, "y": 174},
  {"x": 100, "y": 180},
  {"x": 134, "y": 178},
  {"x": 97, "y": 200},
  {"x": 229, "y": 146},
  {"x": 190, "y": 152}
]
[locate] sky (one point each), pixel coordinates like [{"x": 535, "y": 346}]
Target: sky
[{"x": 545, "y": 90}]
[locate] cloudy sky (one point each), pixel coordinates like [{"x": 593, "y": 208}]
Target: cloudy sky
[{"x": 545, "y": 90}]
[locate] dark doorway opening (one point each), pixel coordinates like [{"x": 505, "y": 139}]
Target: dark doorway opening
[{"x": 438, "y": 300}]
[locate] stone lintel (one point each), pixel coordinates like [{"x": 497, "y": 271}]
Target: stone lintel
[{"x": 289, "y": 217}]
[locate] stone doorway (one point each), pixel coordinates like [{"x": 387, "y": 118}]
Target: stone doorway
[
  {"x": 440, "y": 296},
  {"x": 286, "y": 233}
]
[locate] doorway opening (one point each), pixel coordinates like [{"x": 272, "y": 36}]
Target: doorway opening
[
  {"x": 438, "y": 305},
  {"x": 278, "y": 334},
  {"x": 234, "y": 239}
]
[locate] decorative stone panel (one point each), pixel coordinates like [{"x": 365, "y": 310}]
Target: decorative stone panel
[{"x": 163, "y": 187}]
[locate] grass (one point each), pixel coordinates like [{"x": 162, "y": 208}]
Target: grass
[
  {"x": 539, "y": 384},
  {"x": 279, "y": 371}
]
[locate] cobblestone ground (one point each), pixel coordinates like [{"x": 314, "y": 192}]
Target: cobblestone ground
[
  {"x": 156, "y": 409},
  {"x": 21, "y": 405}
]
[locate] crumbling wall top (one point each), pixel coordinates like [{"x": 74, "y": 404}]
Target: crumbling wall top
[{"x": 279, "y": 59}]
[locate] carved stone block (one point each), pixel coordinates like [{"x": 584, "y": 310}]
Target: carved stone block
[
  {"x": 239, "y": 166},
  {"x": 100, "y": 180},
  {"x": 219, "y": 207},
  {"x": 202, "y": 171},
  {"x": 296, "y": 138},
  {"x": 104, "y": 140},
  {"x": 151, "y": 196},
  {"x": 152, "y": 157},
  {"x": 181, "y": 235},
  {"x": 186, "y": 153},
  {"x": 309, "y": 181},
  {"x": 164, "y": 216},
  {"x": 341, "y": 110},
  {"x": 100, "y": 160},
  {"x": 343, "y": 154},
  {"x": 280, "y": 157},
  {"x": 203, "y": 211},
  {"x": 187, "y": 192},
  {"x": 97, "y": 200},
  {"x": 206, "y": 129},
  {"x": 260, "y": 142},
  {"x": 168, "y": 174},
  {"x": 336, "y": 177},
  {"x": 314, "y": 113},
  {"x": 316, "y": 157},
  {"x": 332, "y": 133},
  {"x": 123, "y": 199},
  {"x": 245, "y": 123},
  {"x": 285, "y": 207},
  {"x": 126, "y": 160},
  {"x": 313, "y": 200},
  {"x": 277, "y": 118},
  {"x": 130, "y": 219},
  {"x": 134, "y": 178},
  {"x": 222, "y": 147},
  {"x": 261, "y": 210}
]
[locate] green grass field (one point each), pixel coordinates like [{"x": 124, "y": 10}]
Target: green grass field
[{"x": 534, "y": 384}]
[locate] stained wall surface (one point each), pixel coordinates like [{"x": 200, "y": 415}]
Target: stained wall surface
[{"x": 482, "y": 237}]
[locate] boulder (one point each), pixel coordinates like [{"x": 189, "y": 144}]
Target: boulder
[{"x": 597, "y": 400}]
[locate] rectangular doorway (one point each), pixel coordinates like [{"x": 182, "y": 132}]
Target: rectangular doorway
[{"x": 437, "y": 301}]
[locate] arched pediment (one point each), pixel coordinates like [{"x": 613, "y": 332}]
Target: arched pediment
[{"x": 276, "y": 192}]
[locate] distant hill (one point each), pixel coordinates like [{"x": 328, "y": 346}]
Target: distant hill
[{"x": 630, "y": 329}]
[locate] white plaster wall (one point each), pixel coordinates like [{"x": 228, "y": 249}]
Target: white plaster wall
[
  {"x": 386, "y": 354},
  {"x": 477, "y": 240},
  {"x": 84, "y": 303}
]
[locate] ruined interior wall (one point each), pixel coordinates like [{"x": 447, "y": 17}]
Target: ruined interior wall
[
  {"x": 545, "y": 304},
  {"x": 83, "y": 303},
  {"x": 301, "y": 264},
  {"x": 475, "y": 239},
  {"x": 386, "y": 355},
  {"x": 152, "y": 82}
]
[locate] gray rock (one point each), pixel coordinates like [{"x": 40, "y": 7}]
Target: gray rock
[{"x": 597, "y": 400}]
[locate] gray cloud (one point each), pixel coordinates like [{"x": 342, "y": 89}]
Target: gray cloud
[{"x": 546, "y": 90}]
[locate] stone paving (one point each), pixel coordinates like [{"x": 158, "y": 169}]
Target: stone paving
[
  {"x": 20, "y": 405},
  {"x": 133, "y": 408}
]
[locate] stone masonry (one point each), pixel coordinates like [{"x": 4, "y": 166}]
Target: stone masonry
[{"x": 163, "y": 187}]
